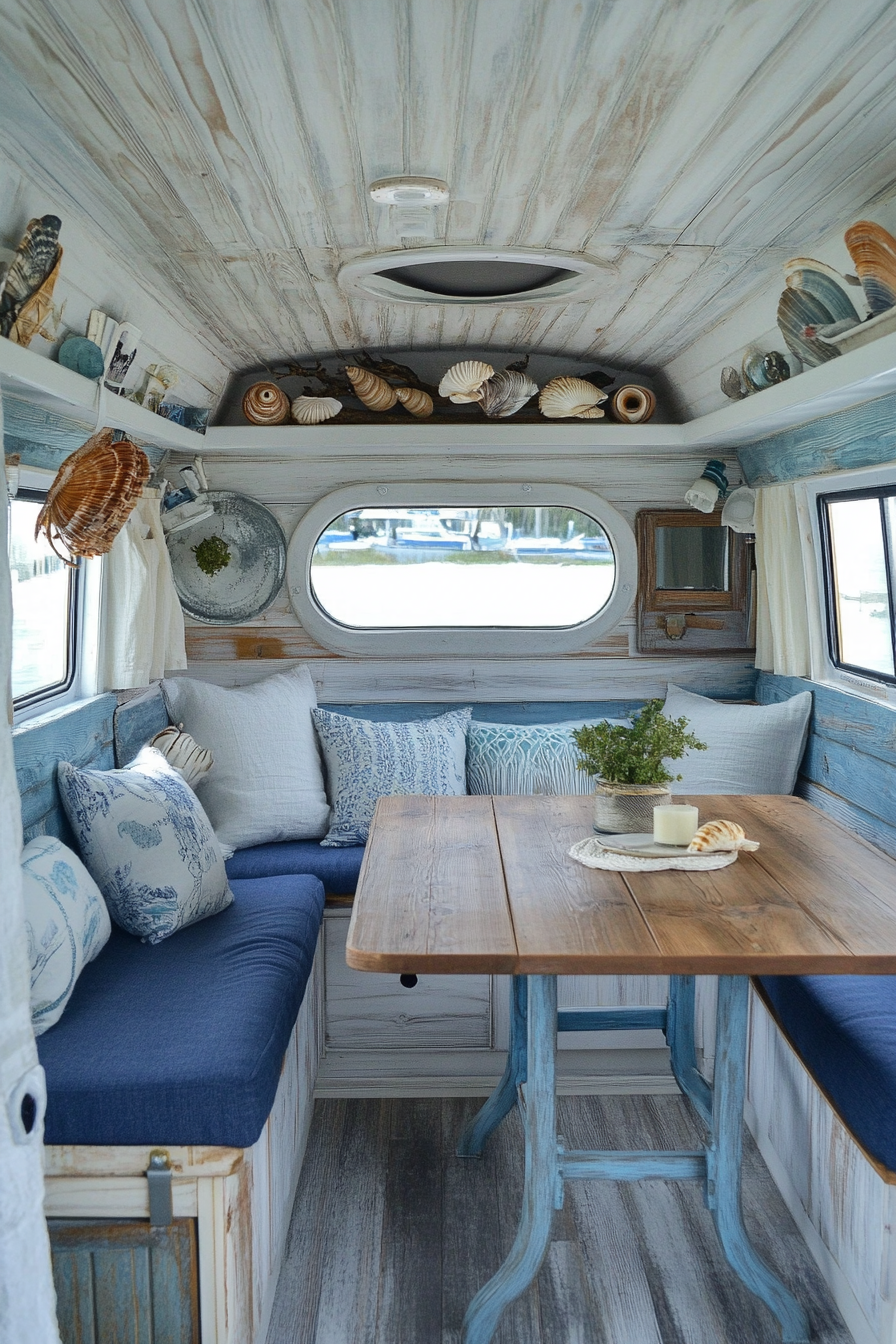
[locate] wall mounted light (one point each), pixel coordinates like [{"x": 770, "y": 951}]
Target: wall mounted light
[{"x": 709, "y": 487}]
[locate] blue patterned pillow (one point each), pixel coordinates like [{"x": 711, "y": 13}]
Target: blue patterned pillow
[
  {"x": 148, "y": 843},
  {"x": 66, "y": 921},
  {"x": 526, "y": 758},
  {"x": 366, "y": 761}
]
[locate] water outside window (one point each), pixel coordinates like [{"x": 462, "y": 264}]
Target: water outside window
[
  {"x": 41, "y": 603},
  {"x": 860, "y": 589},
  {"x": 549, "y": 567}
]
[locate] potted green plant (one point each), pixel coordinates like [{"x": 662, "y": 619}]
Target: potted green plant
[{"x": 630, "y": 766}]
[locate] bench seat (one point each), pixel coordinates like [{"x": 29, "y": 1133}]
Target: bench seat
[
  {"x": 338, "y": 869},
  {"x": 183, "y": 1042}
]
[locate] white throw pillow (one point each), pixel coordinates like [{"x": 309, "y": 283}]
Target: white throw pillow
[
  {"x": 266, "y": 782},
  {"x": 750, "y": 748},
  {"x": 66, "y": 921},
  {"x": 148, "y": 844}
]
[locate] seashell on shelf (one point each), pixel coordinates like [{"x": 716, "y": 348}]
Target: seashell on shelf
[
  {"x": 505, "y": 392},
  {"x": 92, "y": 495},
  {"x": 731, "y": 384},
  {"x": 720, "y": 836},
  {"x": 415, "y": 400},
  {"x": 314, "y": 410},
  {"x": 265, "y": 404},
  {"x": 32, "y": 271},
  {"x": 873, "y": 251},
  {"x": 183, "y": 753},
  {"x": 566, "y": 397},
  {"x": 824, "y": 284},
  {"x": 632, "y": 405},
  {"x": 463, "y": 382},
  {"x": 797, "y": 310},
  {"x": 374, "y": 391}
]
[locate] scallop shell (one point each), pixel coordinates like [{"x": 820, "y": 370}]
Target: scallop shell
[
  {"x": 370, "y": 388},
  {"x": 314, "y": 410},
  {"x": 183, "y": 753},
  {"x": 265, "y": 404},
  {"x": 463, "y": 382},
  {"x": 92, "y": 495},
  {"x": 716, "y": 836},
  {"x": 413, "y": 399},
  {"x": 798, "y": 309},
  {"x": 565, "y": 397},
  {"x": 632, "y": 405},
  {"x": 824, "y": 284},
  {"x": 873, "y": 251},
  {"x": 504, "y": 393}
]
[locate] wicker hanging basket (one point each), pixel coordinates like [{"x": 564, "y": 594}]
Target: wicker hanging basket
[{"x": 92, "y": 495}]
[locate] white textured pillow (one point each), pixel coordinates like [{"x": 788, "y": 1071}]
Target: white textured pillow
[
  {"x": 147, "y": 843},
  {"x": 750, "y": 748},
  {"x": 515, "y": 758},
  {"x": 66, "y": 921},
  {"x": 266, "y": 782}
]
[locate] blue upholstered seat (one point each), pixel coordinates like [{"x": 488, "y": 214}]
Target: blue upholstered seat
[
  {"x": 338, "y": 869},
  {"x": 183, "y": 1042},
  {"x": 844, "y": 1029}
]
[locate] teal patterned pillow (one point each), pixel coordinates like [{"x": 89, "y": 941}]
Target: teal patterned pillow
[
  {"x": 148, "y": 843},
  {"x": 366, "y": 761},
  {"x": 525, "y": 758}
]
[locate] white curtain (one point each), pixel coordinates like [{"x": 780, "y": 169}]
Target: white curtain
[
  {"x": 783, "y": 556},
  {"x": 143, "y": 625},
  {"x": 27, "y": 1298}
]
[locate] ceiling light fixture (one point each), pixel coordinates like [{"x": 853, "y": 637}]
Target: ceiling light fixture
[{"x": 400, "y": 190}]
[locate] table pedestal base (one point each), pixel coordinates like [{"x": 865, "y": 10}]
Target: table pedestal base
[{"x": 531, "y": 1061}]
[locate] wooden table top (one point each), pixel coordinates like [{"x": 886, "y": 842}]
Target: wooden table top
[{"x": 477, "y": 884}]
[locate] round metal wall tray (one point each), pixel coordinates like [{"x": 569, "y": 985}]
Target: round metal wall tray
[{"x": 252, "y": 576}]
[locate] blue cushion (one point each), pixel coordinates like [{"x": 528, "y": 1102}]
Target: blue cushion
[
  {"x": 182, "y": 1042},
  {"x": 338, "y": 869},
  {"x": 844, "y": 1029}
]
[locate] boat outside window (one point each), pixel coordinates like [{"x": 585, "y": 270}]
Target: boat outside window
[
  {"x": 44, "y": 603},
  {"x": 858, "y": 530}
]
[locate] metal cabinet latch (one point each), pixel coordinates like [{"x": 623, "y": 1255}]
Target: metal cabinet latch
[
  {"x": 676, "y": 626},
  {"x": 158, "y": 1179}
]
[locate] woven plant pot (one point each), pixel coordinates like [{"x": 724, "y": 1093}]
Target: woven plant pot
[{"x": 622, "y": 809}]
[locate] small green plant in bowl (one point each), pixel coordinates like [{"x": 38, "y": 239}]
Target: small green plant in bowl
[{"x": 211, "y": 555}]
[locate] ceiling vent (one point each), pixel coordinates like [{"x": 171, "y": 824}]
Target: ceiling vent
[{"x": 475, "y": 275}]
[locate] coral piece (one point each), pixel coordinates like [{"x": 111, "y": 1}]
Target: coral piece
[
  {"x": 265, "y": 404},
  {"x": 92, "y": 495}
]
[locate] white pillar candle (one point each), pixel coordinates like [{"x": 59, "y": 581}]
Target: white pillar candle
[{"x": 675, "y": 824}]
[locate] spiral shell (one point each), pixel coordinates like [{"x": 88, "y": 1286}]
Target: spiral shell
[
  {"x": 314, "y": 410},
  {"x": 416, "y": 401},
  {"x": 718, "y": 836},
  {"x": 463, "y": 382},
  {"x": 265, "y": 404},
  {"x": 632, "y": 405},
  {"x": 370, "y": 388},
  {"x": 92, "y": 495},
  {"x": 873, "y": 251},
  {"x": 565, "y": 397},
  {"x": 183, "y": 753},
  {"x": 505, "y": 393}
]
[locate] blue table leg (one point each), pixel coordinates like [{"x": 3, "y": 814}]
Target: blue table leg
[
  {"x": 680, "y": 1026},
  {"x": 503, "y": 1099},
  {"x": 724, "y": 1161},
  {"x": 542, "y": 1178}
]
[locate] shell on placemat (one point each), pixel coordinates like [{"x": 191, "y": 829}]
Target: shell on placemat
[
  {"x": 873, "y": 251},
  {"x": 415, "y": 400},
  {"x": 265, "y": 404},
  {"x": 505, "y": 392},
  {"x": 34, "y": 267},
  {"x": 314, "y": 410},
  {"x": 183, "y": 753},
  {"x": 92, "y": 495},
  {"x": 632, "y": 405},
  {"x": 566, "y": 397},
  {"x": 371, "y": 389},
  {"x": 717, "y": 836},
  {"x": 463, "y": 382}
]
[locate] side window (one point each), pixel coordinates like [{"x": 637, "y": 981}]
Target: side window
[
  {"x": 44, "y": 605},
  {"x": 858, "y": 530}
]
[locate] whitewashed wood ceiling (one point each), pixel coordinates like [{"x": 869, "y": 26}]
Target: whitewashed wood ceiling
[{"x": 224, "y": 148}]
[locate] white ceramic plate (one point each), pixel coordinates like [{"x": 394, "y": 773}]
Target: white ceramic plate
[{"x": 642, "y": 844}]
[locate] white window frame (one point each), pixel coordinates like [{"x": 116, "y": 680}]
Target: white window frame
[{"x": 444, "y": 641}]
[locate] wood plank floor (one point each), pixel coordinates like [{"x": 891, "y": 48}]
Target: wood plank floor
[{"x": 392, "y": 1235}]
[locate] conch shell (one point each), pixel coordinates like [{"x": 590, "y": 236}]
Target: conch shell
[
  {"x": 505, "y": 393},
  {"x": 183, "y": 753},
  {"x": 566, "y": 397},
  {"x": 632, "y": 405},
  {"x": 463, "y": 382},
  {"x": 718, "y": 836},
  {"x": 92, "y": 495},
  {"x": 265, "y": 404},
  {"x": 873, "y": 251},
  {"x": 313, "y": 410},
  {"x": 415, "y": 400},
  {"x": 370, "y": 388}
]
